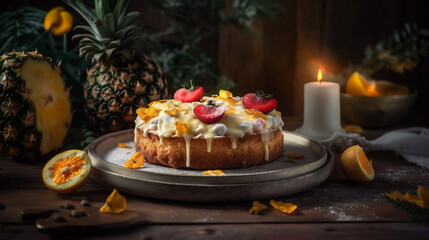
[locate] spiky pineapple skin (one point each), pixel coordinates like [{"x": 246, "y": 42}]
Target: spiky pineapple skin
[
  {"x": 115, "y": 89},
  {"x": 19, "y": 136}
]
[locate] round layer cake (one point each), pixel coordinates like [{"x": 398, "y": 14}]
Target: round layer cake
[{"x": 169, "y": 133}]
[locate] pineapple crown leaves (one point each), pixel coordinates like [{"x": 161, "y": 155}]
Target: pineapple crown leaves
[{"x": 110, "y": 30}]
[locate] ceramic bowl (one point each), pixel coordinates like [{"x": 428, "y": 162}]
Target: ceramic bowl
[{"x": 381, "y": 111}]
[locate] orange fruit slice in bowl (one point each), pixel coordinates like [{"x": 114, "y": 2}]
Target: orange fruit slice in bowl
[
  {"x": 356, "y": 165},
  {"x": 67, "y": 172},
  {"x": 357, "y": 85}
]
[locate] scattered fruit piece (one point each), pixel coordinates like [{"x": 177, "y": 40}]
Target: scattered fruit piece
[
  {"x": 209, "y": 113},
  {"x": 259, "y": 101},
  {"x": 353, "y": 128},
  {"x": 295, "y": 156},
  {"x": 213, "y": 172},
  {"x": 283, "y": 207},
  {"x": 172, "y": 112},
  {"x": 227, "y": 96},
  {"x": 147, "y": 114},
  {"x": 357, "y": 85},
  {"x": 135, "y": 161},
  {"x": 258, "y": 207},
  {"x": 423, "y": 194},
  {"x": 396, "y": 195},
  {"x": 189, "y": 95},
  {"x": 356, "y": 165},
  {"x": 255, "y": 114},
  {"x": 115, "y": 203},
  {"x": 67, "y": 172},
  {"x": 181, "y": 128},
  {"x": 421, "y": 199},
  {"x": 123, "y": 145}
]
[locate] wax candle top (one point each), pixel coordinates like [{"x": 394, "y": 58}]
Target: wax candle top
[{"x": 322, "y": 84}]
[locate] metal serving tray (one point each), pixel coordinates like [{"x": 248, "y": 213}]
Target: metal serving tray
[{"x": 280, "y": 177}]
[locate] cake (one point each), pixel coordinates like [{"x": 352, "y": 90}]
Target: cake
[{"x": 217, "y": 132}]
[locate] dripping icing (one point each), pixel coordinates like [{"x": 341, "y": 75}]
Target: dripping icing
[
  {"x": 188, "y": 150},
  {"x": 233, "y": 142},
  {"x": 267, "y": 151},
  {"x": 209, "y": 143}
]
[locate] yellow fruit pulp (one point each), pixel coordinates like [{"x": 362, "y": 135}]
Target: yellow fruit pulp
[
  {"x": 283, "y": 206},
  {"x": 357, "y": 85},
  {"x": 213, "y": 172},
  {"x": 67, "y": 171},
  {"x": 47, "y": 91},
  {"x": 353, "y": 128},
  {"x": 65, "y": 168},
  {"x": 115, "y": 203},
  {"x": 364, "y": 162},
  {"x": 423, "y": 194},
  {"x": 257, "y": 207},
  {"x": 135, "y": 161}
]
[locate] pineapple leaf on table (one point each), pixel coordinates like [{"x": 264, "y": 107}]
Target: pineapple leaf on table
[{"x": 122, "y": 78}]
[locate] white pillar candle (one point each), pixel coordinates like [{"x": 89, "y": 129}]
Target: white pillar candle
[{"x": 321, "y": 110}]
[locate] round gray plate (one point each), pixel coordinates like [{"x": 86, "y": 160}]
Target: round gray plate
[{"x": 280, "y": 177}]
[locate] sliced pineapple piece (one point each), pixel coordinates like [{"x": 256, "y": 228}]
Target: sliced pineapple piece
[{"x": 46, "y": 89}]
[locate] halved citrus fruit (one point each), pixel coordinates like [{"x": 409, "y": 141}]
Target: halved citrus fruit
[
  {"x": 67, "y": 172},
  {"x": 356, "y": 165},
  {"x": 357, "y": 85}
]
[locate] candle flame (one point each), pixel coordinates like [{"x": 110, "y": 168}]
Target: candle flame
[{"x": 319, "y": 76}]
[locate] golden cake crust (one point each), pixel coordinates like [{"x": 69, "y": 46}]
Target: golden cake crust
[{"x": 250, "y": 150}]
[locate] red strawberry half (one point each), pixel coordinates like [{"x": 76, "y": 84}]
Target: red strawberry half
[
  {"x": 209, "y": 113},
  {"x": 189, "y": 95},
  {"x": 259, "y": 101}
]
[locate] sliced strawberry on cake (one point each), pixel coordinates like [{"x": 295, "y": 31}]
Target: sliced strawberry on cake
[
  {"x": 189, "y": 95},
  {"x": 209, "y": 113},
  {"x": 260, "y": 101}
]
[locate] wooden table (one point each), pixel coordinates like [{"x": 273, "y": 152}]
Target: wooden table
[{"x": 336, "y": 209}]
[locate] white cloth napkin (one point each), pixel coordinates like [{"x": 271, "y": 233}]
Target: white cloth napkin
[{"x": 411, "y": 143}]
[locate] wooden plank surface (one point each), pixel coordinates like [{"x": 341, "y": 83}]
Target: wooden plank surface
[
  {"x": 338, "y": 208},
  {"x": 338, "y": 200},
  {"x": 241, "y": 231}
]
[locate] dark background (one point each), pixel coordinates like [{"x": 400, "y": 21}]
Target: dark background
[{"x": 307, "y": 34}]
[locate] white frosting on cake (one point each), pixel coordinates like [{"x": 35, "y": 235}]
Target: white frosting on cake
[{"x": 168, "y": 118}]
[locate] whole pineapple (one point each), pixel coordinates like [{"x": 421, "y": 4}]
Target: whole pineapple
[
  {"x": 122, "y": 78},
  {"x": 35, "y": 110}
]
